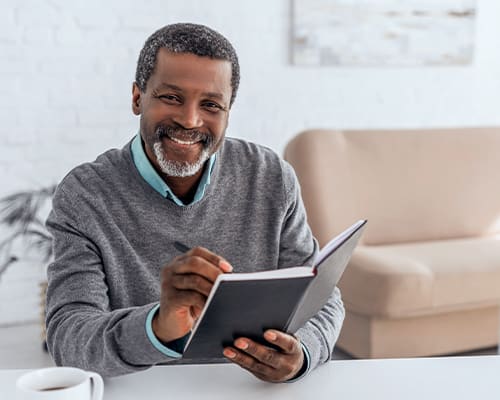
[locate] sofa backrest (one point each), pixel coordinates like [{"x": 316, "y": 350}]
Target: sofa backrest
[{"x": 411, "y": 185}]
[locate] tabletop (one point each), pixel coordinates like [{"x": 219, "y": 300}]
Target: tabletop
[{"x": 418, "y": 378}]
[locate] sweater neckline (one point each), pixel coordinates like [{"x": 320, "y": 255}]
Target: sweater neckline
[{"x": 150, "y": 191}]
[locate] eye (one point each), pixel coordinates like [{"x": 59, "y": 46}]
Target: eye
[
  {"x": 169, "y": 98},
  {"x": 212, "y": 106}
]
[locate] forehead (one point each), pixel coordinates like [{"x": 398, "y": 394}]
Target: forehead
[{"x": 192, "y": 72}]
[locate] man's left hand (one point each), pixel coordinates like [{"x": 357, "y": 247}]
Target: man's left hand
[{"x": 266, "y": 363}]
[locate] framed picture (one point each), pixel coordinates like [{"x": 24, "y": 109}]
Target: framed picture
[{"x": 383, "y": 32}]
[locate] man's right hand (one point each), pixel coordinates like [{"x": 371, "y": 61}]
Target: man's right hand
[{"x": 185, "y": 285}]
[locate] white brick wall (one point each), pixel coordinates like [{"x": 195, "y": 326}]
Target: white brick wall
[
  {"x": 20, "y": 293},
  {"x": 66, "y": 70}
]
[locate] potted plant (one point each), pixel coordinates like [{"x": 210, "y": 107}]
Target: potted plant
[{"x": 22, "y": 219}]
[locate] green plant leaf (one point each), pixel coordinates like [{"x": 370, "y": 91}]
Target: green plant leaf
[{"x": 20, "y": 212}]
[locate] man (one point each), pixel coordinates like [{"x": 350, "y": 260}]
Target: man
[{"x": 121, "y": 297}]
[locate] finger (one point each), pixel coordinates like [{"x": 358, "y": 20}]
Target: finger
[
  {"x": 212, "y": 258},
  {"x": 196, "y": 265},
  {"x": 249, "y": 363},
  {"x": 287, "y": 343},
  {"x": 195, "y": 311},
  {"x": 260, "y": 352},
  {"x": 191, "y": 282}
]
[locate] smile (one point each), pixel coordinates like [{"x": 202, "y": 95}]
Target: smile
[{"x": 183, "y": 142}]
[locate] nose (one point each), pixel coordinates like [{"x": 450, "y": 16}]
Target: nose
[{"x": 189, "y": 116}]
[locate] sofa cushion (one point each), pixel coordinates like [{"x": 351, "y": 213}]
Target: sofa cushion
[
  {"x": 423, "y": 278},
  {"x": 411, "y": 185}
]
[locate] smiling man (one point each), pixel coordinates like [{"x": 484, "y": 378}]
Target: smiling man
[
  {"x": 121, "y": 296},
  {"x": 184, "y": 110}
]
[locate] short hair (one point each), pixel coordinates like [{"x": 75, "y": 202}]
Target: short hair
[{"x": 190, "y": 38}]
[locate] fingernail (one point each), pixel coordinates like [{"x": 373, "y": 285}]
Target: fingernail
[
  {"x": 229, "y": 353},
  {"x": 271, "y": 335},
  {"x": 241, "y": 345},
  {"x": 225, "y": 266}
]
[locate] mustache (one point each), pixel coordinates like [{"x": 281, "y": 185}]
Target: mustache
[{"x": 191, "y": 135}]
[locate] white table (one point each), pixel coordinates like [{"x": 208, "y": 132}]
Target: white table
[{"x": 423, "y": 379}]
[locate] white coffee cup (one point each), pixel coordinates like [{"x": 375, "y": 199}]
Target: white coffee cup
[{"x": 60, "y": 383}]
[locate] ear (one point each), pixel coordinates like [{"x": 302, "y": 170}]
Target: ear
[{"x": 136, "y": 99}]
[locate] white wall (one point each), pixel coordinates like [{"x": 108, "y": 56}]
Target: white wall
[{"x": 67, "y": 67}]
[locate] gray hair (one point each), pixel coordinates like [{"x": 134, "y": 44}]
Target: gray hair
[{"x": 187, "y": 38}]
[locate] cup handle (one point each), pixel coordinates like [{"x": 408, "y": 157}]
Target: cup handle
[{"x": 97, "y": 385}]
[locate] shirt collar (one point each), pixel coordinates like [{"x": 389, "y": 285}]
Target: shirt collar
[{"x": 149, "y": 174}]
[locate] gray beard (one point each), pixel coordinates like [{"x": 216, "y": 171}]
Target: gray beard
[{"x": 180, "y": 169}]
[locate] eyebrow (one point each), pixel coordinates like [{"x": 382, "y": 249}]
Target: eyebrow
[{"x": 213, "y": 95}]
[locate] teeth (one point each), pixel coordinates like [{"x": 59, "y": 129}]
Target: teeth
[{"x": 181, "y": 141}]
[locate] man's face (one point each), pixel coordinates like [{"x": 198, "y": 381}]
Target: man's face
[{"x": 184, "y": 111}]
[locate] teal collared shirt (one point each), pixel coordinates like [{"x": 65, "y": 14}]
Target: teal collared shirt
[{"x": 149, "y": 174}]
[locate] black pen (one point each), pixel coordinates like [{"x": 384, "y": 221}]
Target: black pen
[{"x": 181, "y": 247}]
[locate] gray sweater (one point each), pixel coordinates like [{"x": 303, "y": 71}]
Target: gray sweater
[{"x": 113, "y": 233}]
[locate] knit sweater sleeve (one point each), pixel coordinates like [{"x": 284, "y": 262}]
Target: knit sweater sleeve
[
  {"x": 297, "y": 247},
  {"x": 82, "y": 330}
]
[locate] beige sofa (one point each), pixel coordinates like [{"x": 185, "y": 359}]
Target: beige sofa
[{"x": 426, "y": 278}]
